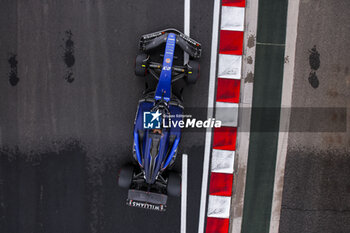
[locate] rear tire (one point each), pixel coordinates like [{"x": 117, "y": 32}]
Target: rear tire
[
  {"x": 193, "y": 72},
  {"x": 141, "y": 64},
  {"x": 174, "y": 184},
  {"x": 125, "y": 176}
]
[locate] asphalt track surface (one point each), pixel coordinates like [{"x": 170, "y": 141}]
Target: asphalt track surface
[
  {"x": 316, "y": 193},
  {"x": 68, "y": 101}
]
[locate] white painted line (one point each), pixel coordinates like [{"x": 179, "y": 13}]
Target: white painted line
[
  {"x": 0, "y": 137},
  {"x": 207, "y": 148},
  {"x": 219, "y": 206},
  {"x": 286, "y": 103},
  {"x": 227, "y": 113},
  {"x": 230, "y": 66},
  {"x": 222, "y": 161},
  {"x": 187, "y": 5},
  {"x": 187, "y": 19},
  {"x": 232, "y": 18},
  {"x": 184, "y": 193}
]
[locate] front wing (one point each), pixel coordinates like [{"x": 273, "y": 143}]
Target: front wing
[{"x": 155, "y": 39}]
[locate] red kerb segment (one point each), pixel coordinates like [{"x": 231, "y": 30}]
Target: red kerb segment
[
  {"x": 221, "y": 184},
  {"x": 228, "y": 90},
  {"x": 225, "y": 138},
  {"x": 217, "y": 225},
  {"x": 238, "y": 3},
  {"x": 231, "y": 42}
]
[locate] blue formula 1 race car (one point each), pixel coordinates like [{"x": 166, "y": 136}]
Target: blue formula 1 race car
[{"x": 151, "y": 180}]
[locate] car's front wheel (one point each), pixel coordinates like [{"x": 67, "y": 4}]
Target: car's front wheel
[
  {"x": 193, "y": 72},
  {"x": 141, "y": 64}
]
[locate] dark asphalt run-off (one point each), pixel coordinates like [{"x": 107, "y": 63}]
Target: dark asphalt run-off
[{"x": 67, "y": 117}]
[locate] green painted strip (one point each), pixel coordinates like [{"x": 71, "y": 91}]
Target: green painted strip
[
  {"x": 265, "y": 116},
  {"x": 272, "y": 21}
]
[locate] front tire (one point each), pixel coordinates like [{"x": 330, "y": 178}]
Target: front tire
[
  {"x": 174, "y": 184},
  {"x": 193, "y": 72},
  {"x": 125, "y": 176},
  {"x": 141, "y": 64}
]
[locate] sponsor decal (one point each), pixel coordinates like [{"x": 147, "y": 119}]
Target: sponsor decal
[
  {"x": 188, "y": 39},
  {"x": 167, "y": 60},
  {"x": 166, "y": 68},
  {"x": 152, "y": 35},
  {"x": 145, "y": 205}
]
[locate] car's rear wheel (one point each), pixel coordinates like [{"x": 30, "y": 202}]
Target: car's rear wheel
[
  {"x": 174, "y": 184},
  {"x": 193, "y": 72},
  {"x": 141, "y": 64},
  {"x": 125, "y": 176}
]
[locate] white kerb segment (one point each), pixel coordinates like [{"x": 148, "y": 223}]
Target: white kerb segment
[
  {"x": 222, "y": 161},
  {"x": 219, "y": 206},
  {"x": 227, "y": 113},
  {"x": 232, "y": 18},
  {"x": 230, "y": 66}
]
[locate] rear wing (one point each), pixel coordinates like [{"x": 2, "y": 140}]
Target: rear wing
[
  {"x": 147, "y": 200},
  {"x": 155, "y": 39}
]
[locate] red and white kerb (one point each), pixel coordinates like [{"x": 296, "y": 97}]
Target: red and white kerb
[{"x": 227, "y": 99}]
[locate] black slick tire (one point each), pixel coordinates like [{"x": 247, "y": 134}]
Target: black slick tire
[
  {"x": 125, "y": 176},
  {"x": 141, "y": 65},
  {"x": 193, "y": 72},
  {"x": 174, "y": 184}
]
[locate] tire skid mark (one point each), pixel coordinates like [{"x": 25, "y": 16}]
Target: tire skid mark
[
  {"x": 314, "y": 61},
  {"x": 13, "y": 77},
  {"x": 68, "y": 56}
]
